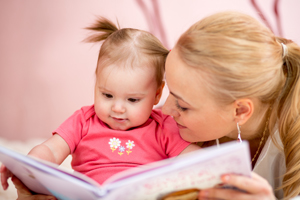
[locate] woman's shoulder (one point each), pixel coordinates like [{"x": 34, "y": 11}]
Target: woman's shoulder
[{"x": 271, "y": 164}]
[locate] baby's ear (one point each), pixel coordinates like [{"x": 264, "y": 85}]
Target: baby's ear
[{"x": 159, "y": 92}]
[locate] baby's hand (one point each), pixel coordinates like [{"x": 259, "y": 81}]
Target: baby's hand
[{"x": 5, "y": 174}]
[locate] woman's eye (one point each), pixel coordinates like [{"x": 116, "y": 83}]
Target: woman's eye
[
  {"x": 133, "y": 100},
  {"x": 179, "y": 107},
  {"x": 109, "y": 96}
]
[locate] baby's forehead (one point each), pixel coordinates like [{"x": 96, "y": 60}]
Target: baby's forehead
[
  {"x": 125, "y": 66},
  {"x": 135, "y": 66},
  {"x": 121, "y": 79}
]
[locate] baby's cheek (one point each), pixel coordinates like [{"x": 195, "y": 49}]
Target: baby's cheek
[
  {"x": 141, "y": 115},
  {"x": 101, "y": 111}
]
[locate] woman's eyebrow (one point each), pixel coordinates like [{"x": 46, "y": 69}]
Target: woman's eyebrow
[{"x": 178, "y": 97}]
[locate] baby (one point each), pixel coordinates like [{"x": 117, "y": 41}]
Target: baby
[{"x": 121, "y": 130}]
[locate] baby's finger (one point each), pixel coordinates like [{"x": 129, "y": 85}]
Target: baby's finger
[
  {"x": 2, "y": 168},
  {"x": 5, "y": 174}
]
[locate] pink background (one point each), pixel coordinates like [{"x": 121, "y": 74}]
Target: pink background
[{"x": 47, "y": 72}]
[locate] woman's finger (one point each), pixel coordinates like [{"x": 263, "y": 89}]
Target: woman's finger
[
  {"x": 225, "y": 194},
  {"x": 253, "y": 185},
  {"x": 25, "y": 194},
  {"x": 21, "y": 188}
]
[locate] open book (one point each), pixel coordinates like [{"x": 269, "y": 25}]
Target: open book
[{"x": 199, "y": 169}]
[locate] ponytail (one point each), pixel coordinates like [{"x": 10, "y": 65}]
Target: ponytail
[
  {"x": 104, "y": 29},
  {"x": 128, "y": 47},
  {"x": 288, "y": 117}
]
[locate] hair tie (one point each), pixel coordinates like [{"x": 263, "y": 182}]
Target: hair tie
[{"x": 284, "y": 50}]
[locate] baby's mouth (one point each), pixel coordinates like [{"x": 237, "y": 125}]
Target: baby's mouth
[{"x": 119, "y": 119}]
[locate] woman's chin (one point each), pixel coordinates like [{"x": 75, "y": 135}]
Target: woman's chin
[{"x": 185, "y": 135}]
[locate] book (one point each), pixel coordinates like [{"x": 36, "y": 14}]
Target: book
[{"x": 198, "y": 169}]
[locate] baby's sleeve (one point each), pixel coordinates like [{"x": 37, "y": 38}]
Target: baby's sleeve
[
  {"x": 71, "y": 129},
  {"x": 171, "y": 138}
]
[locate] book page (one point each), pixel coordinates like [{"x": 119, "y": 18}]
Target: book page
[{"x": 201, "y": 169}]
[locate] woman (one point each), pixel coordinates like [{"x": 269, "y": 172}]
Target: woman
[{"x": 230, "y": 77}]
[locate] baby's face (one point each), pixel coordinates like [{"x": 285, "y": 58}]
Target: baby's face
[{"x": 124, "y": 97}]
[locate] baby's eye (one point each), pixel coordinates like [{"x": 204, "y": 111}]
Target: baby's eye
[
  {"x": 133, "y": 100},
  {"x": 109, "y": 96}
]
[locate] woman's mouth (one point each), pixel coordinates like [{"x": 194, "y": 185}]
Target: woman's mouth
[{"x": 180, "y": 126}]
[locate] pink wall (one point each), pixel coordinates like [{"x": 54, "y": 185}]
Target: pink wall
[{"x": 46, "y": 71}]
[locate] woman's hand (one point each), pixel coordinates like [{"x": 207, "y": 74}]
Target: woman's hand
[
  {"x": 256, "y": 188},
  {"x": 25, "y": 194}
]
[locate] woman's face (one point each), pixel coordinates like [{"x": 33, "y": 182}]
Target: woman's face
[{"x": 198, "y": 115}]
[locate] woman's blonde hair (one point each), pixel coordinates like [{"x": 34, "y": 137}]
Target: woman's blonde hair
[
  {"x": 243, "y": 58},
  {"x": 128, "y": 47}
]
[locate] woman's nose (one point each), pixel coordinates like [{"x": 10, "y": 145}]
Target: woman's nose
[
  {"x": 118, "y": 107},
  {"x": 168, "y": 107}
]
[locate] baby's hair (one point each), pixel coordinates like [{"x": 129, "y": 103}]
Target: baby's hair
[
  {"x": 128, "y": 47},
  {"x": 103, "y": 25}
]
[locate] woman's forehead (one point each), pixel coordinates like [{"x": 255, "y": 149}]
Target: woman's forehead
[{"x": 184, "y": 81}]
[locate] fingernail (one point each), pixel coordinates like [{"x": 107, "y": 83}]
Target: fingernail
[{"x": 226, "y": 178}]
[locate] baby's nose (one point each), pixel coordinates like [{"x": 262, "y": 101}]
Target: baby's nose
[{"x": 118, "y": 107}]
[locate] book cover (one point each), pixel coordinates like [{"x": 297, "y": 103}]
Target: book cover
[{"x": 199, "y": 169}]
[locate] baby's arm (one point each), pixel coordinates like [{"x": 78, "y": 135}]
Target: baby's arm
[
  {"x": 55, "y": 150},
  {"x": 191, "y": 147}
]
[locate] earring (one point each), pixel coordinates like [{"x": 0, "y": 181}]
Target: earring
[{"x": 239, "y": 139}]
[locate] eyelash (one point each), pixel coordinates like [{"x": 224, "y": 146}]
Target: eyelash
[
  {"x": 109, "y": 96},
  {"x": 179, "y": 107},
  {"x": 132, "y": 100}
]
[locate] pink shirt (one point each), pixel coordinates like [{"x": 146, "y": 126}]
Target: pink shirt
[{"x": 99, "y": 152}]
